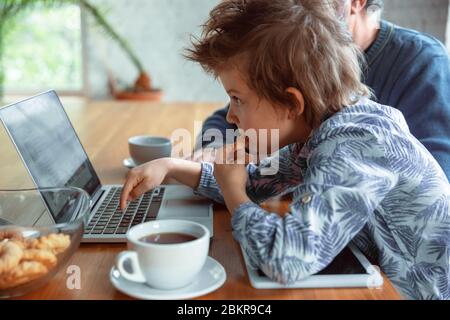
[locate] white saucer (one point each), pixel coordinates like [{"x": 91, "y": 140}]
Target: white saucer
[
  {"x": 210, "y": 278},
  {"x": 129, "y": 163}
]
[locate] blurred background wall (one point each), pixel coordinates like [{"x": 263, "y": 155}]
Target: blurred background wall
[
  {"x": 158, "y": 30},
  {"x": 448, "y": 28},
  {"x": 54, "y": 48},
  {"x": 429, "y": 16}
]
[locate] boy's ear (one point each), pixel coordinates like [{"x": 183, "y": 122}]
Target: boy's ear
[
  {"x": 299, "y": 102},
  {"x": 357, "y": 6}
]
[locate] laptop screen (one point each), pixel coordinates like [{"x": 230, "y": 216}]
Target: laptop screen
[{"x": 49, "y": 146}]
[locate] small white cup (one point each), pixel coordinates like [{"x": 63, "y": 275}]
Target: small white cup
[
  {"x": 147, "y": 148},
  {"x": 164, "y": 266}
]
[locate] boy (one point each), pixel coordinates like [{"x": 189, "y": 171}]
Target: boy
[
  {"x": 356, "y": 171},
  {"x": 405, "y": 69}
]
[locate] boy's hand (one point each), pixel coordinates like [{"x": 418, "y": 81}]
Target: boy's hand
[
  {"x": 143, "y": 178},
  {"x": 231, "y": 174}
]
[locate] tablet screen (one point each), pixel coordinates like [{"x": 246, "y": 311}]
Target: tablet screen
[{"x": 344, "y": 263}]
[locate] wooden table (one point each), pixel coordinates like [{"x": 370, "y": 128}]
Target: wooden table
[{"x": 104, "y": 128}]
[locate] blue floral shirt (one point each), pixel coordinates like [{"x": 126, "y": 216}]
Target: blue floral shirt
[{"x": 361, "y": 177}]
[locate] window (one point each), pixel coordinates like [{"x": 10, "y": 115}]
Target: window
[{"x": 43, "y": 50}]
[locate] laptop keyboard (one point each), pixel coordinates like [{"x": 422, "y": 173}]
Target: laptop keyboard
[{"x": 110, "y": 219}]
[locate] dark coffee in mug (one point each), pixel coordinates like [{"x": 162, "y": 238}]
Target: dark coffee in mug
[{"x": 168, "y": 238}]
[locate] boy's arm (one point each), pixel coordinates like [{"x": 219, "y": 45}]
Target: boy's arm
[
  {"x": 341, "y": 190},
  {"x": 184, "y": 171},
  {"x": 152, "y": 174},
  {"x": 274, "y": 176}
]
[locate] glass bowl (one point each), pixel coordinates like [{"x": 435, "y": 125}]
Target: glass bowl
[{"x": 40, "y": 229}]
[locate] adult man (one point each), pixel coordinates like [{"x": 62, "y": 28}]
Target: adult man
[{"x": 406, "y": 69}]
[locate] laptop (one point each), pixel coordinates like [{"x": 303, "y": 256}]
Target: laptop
[
  {"x": 350, "y": 268},
  {"x": 54, "y": 157}
]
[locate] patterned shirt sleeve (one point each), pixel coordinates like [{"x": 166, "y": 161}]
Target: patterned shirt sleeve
[
  {"x": 273, "y": 176},
  {"x": 345, "y": 182}
]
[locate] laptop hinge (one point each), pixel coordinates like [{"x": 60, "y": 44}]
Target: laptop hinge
[{"x": 97, "y": 196}]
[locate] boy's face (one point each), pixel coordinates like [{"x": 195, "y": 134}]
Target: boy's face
[{"x": 249, "y": 111}]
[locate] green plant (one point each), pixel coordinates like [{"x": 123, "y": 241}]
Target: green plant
[{"x": 11, "y": 9}]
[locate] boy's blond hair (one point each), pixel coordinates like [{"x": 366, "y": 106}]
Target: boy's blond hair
[{"x": 281, "y": 44}]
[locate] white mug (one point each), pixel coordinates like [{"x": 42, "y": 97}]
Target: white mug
[
  {"x": 164, "y": 266},
  {"x": 147, "y": 148}
]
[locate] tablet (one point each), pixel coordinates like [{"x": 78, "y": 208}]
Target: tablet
[{"x": 350, "y": 268}]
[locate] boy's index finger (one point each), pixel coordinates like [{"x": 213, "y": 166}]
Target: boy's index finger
[
  {"x": 128, "y": 186},
  {"x": 122, "y": 202},
  {"x": 126, "y": 189}
]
